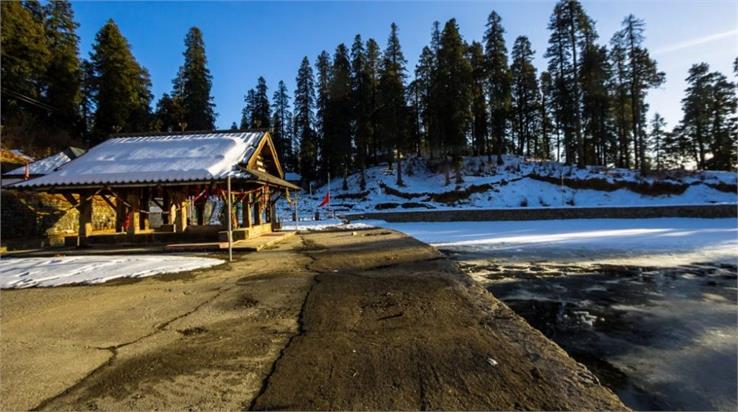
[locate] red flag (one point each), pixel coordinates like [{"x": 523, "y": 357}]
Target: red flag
[{"x": 326, "y": 199}]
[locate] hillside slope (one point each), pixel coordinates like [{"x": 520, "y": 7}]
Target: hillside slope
[{"x": 518, "y": 183}]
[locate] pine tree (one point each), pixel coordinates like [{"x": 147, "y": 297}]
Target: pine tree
[
  {"x": 323, "y": 69},
  {"x": 63, "y": 73},
  {"x": 281, "y": 124},
  {"x": 657, "y": 140},
  {"x": 695, "y": 123},
  {"x": 724, "y": 124},
  {"x": 361, "y": 105},
  {"x": 572, "y": 32},
  {"x": 234, "y": 127},
  {"x": 340, "y": 113},
  {"x": 247, "y": 113},
  {"x": 709, "y": 126},
  {"x": 424, "y": 78},
  {"x": 304, "y": 120},
  {"x": 525, "y": 97},
  {"x": 193, "y": 84},
  {"x": 454, "y": 81},
  {"x": 392, "y": 105},
  {"x": 548, "y": 126},
  {"x": 621, "y": 113},
  {"x": 121, "y": 86},
  {"x": 479, "y": 123},
  {"x": 168, "y": 115},
  {"x": 261, "y": 115},
  {"x": 498, "y": 80},
  {"x": 642, "y": 75},
  {"x": 372, "y": 68},
  {"x": 595, "y": 75},
  {"x": 25, "y": 59}
]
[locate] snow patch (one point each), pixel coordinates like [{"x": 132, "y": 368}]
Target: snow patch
[{"x": 18, "y": 273}]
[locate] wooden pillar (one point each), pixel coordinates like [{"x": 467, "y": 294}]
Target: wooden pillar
[
  {"x": 179, "y": 211},
  {"x": 120, "y": 211},
  {"x": 167, "y": 216},
  {"x": 248, "y": 213},
  {"x": 133, "y": 198},
  {"x": 259, "y": 212},
  {"x": 144, "y": 223},
  {"x": 85, "y": 214}
]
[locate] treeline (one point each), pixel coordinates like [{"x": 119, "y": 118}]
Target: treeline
[
  {"x": 51, "y": 98},
  {"x": 361, "y": 105}
]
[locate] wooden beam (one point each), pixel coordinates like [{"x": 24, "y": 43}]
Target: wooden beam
[{"x": 85, "y": 215}]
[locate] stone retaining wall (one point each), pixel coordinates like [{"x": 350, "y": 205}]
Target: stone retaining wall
[
  {"x": 698, "y": 211},
  {"x": 30, "y": 214}
]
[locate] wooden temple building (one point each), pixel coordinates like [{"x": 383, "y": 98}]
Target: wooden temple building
[{"x": 175, "y": 173}]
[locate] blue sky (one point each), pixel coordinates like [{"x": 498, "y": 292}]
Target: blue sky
[{"x": 245, "y": 40}]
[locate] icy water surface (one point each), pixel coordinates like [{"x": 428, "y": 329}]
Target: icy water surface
[{"x": 661, "y": 338}]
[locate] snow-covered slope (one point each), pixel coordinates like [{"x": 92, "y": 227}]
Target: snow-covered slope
[{"x": 518, "y": 183}]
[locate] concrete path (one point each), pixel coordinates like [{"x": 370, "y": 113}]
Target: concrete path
[{"x": 346, "y": 320}]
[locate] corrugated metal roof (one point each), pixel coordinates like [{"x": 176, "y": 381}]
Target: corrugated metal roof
[
  {"x": 48, "y": 164},
  {"x": 156, "y": 158}
]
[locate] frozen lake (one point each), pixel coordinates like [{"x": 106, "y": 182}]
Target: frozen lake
[{"x": 648, "y": 305}]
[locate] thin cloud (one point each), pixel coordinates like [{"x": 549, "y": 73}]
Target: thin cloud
[{"x": 697, "y": 41}]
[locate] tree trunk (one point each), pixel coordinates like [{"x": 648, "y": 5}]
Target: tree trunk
[{"x": 399, "y": 169}]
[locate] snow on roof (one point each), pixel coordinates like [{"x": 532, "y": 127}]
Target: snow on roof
[
  {"x": 156, "y": 158},
  {"x": 48, "y": 164},
  {"x": 22, "y": 155}
]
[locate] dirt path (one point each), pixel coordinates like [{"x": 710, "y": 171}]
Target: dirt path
[{"x": 363, "y": 320}]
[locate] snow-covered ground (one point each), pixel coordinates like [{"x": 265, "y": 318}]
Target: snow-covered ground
[
  {"x": 55, "y": 271},
  {"x": 517, "y": 183},
  {"x": 675, "y": 240},
  {"x": 319, "y": 225}
]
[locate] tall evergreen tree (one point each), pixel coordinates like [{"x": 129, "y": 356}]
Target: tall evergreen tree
[
  {"x": 323, "y": 67},
  {"x": 479, "y": 123},
  {"x": 571, "y": 33},
  {"x": 724, "y": 123},
  {"x": 361, "y": 105},
  {"x": 709, "y": 128},
  {"x": 193, "y": 84},
  {"x": 168, "y": 115},
  {"x": 63, "y": 74},
  {"x": 262, "y": 111},
  {"x": 121, "y": 86},
  {"x": 548, "y": 125},
  {"x": 304, "y": 121},
  {"x": 338, "y": 125},
  {"x": 595, "y": 76},
  {"x": 454, "y": 81},
  {"x": 641, "y": 75},
  {"x": 525, "y": 97},
  {"x": 499, "y": 80},
  {"x": 247, "y": 113},
  {"x": 619, "y": 94},
  {"x": 25, "y": 58},
  {"x": 424, "y": 78},
  {"x": 373, "y": 62},
  {"x": 657, "y": 140},
  {"x": 392, "y": 106},
  {"x": 281, "y": 124}
]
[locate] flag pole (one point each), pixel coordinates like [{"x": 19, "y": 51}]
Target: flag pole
[
  {"x": 230, "y": 224},
  {"x": 329, "y": 194}
]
